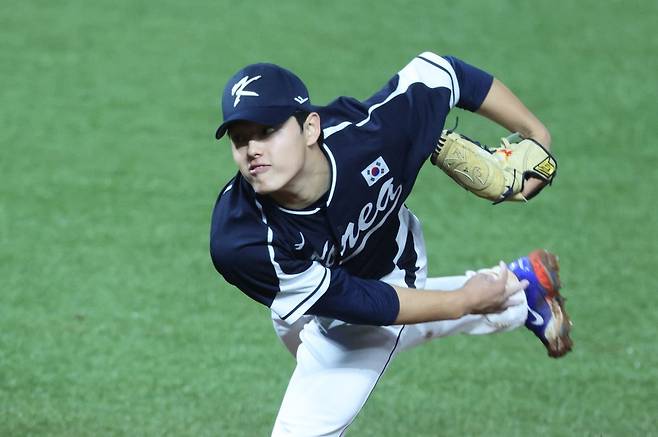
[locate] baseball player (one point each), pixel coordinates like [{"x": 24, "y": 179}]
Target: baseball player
[{"x": 314, "y": 226}]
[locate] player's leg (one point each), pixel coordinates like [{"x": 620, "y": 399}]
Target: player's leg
[
  {"x": 540, "y": 307},
  {"x": 289, "y": 333},
  {"x": 473, "y": 324},
  {"x": 338, "y": 366}
]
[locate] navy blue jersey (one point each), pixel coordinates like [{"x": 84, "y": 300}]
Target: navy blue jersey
[{"x": 338, "y": 257}]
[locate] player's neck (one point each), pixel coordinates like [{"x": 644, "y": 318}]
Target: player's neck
[{"x": 309, "y": 185}]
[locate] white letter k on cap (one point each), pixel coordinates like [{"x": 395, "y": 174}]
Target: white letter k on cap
[{"x": 238, "y": 89}]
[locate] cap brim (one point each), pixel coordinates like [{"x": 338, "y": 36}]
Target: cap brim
[{"x": 268, "y": 116}]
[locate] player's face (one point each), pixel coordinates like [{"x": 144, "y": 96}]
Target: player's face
[{"x": 269, "y": 157}]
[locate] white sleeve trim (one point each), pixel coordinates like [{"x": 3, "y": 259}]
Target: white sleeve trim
[
  {"x": 298, "y": 291},
  {"x": 434, "y": 64},
  {"x": 427, "y": 68}
]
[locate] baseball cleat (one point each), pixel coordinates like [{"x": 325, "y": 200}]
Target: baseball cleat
[{"x": 547, "y": 318}]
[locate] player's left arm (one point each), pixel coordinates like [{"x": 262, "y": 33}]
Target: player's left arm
[{"x": 503, "y": 107}]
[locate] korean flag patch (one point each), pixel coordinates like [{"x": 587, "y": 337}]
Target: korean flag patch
[{"x": 375, "y": 171}]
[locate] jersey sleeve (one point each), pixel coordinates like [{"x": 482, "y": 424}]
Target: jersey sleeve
[
  {"x": 292, "y": 288},
  {"x": 474, "y": 84},
  {"x": 419, "y": 97},
  {"x": 359, "y": 301},
  {"x": 465, "y": 85},
  {"x": 247, "y": 253}
]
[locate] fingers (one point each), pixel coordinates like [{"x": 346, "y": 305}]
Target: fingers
[
  {"x": 514, "y": 300},
  {"x": 511, "y": 289},
  {"x": 504, "y": 272},
  {"x": 517, "y": 298},
  {"x": 495, "y": 290},
  {"x": 515, "y": 286}
]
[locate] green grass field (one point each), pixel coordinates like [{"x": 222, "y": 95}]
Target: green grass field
[{"x": 112, "y": 319}]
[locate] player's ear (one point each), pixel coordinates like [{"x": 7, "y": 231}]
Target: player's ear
[{"x": 312, "y": 128}]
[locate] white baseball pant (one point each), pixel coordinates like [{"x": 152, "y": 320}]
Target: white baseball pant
[{"x": 339, "y": 364}]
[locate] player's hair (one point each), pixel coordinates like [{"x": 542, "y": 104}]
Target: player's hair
[{"x": 301, "y": 117}]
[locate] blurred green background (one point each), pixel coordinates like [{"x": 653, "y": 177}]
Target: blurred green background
[{"x": 112, "y": 319}]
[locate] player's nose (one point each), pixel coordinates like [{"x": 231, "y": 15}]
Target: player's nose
[{"x": 254, "y": 148}]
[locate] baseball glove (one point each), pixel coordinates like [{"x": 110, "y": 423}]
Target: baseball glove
[{"x": 494, "y": 174}]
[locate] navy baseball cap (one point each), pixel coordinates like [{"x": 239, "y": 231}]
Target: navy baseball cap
[{"x": 263, "y": 93}]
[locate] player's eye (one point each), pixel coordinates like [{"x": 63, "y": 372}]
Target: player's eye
[
  {"x": 267, "y": 131},
  {"x": 238, "y": 140},
  {"x": 241, "y": 139}
]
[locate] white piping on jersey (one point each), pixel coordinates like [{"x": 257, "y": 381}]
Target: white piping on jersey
[
  {"x": 408, "y": 222},
  {"x": 419, "y": 246},
  {"x": 296, "y": 212},
  {"x": 444, "y": 65},
  {"x": 397, "y": 275},
  {"x": 333, "y": 129},
  {"x": 299, "y": 291},
  {"x": 227, "y": 189},
  {"x": 333, "y": 174},
  {"x": 417, "y": 71},
  {"x": 331, "y": 189}
]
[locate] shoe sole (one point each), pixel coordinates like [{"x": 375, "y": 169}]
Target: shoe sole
[{"x": 557, "y": 333}]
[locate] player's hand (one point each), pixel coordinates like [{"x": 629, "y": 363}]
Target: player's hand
[
  {"x": 532, "y": 186},
  {"x": 485, "y": 293}
]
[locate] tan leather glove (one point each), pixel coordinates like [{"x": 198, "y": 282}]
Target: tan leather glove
[{"x": 498, "y": 174}]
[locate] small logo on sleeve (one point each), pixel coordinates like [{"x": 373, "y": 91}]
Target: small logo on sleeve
[{"x": 375, "y": 171}]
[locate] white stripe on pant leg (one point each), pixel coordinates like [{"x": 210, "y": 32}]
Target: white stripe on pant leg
[
  {"x": 473, "y": 324},
  {"x": 338, "y": 366}
]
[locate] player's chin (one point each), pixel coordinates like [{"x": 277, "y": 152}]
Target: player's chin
[
  {"x": 267, "y": 182},
  {"x": 263, "y": 186},
  {"x": 259, "y": 183}
]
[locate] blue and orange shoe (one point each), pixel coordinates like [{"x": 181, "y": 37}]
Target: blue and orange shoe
[{"x": 547, "y": 318}]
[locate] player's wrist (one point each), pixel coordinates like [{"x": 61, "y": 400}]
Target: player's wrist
[
  {"x": 463, "y": 303},
  {"x": 541, "y": 135},
  {"x": 452, "y": 305}
]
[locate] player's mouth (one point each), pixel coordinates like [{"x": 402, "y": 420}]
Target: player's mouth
[{"x": 256, "y": 169}]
